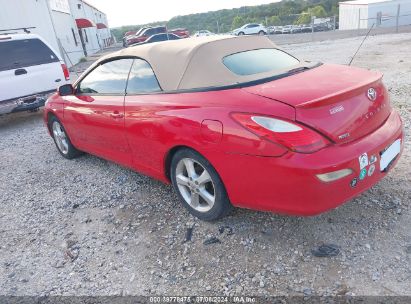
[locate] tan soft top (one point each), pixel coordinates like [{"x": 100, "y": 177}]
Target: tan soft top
[{"x": 196, "y": 62}]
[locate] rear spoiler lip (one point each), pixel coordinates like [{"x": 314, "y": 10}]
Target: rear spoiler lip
[{"x": 352, "y": 91}]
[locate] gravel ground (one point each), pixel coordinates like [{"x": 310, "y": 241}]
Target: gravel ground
[{"x": 90, "y": 227}]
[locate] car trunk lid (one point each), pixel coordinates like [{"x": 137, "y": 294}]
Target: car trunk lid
[{"x": 333, "y": 100}]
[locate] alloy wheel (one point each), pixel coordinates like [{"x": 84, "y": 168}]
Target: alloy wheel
[
  {"x": 60, "y": 137},
  {"x": 195, "y": 185}
]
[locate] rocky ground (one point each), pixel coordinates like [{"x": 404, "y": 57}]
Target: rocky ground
[{"x": 90, "y": 227}]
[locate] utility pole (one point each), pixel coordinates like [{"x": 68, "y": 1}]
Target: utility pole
[
  {"x": 359, "y": 20},
  {"x": 312, "y": 27},
  {"x": 168, "y": 36},
  {"x": 397, "y": 22}
]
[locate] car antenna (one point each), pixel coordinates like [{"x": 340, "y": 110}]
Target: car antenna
[{"x": 366, "y": 36}]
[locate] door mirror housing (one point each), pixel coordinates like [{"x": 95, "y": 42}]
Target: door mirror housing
[{"x": 66, "y": 90}]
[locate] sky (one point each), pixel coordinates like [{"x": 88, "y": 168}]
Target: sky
[{"x": 130, "y": 12}]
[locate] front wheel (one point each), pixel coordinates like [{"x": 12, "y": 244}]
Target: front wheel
[
  {"x": 241, "y": 34},
  {"x": 198, "y": 186},
  {"x": 62, "y": 141},
  {"x": 261, "y": 33}
]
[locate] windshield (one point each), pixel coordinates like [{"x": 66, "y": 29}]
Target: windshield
[{"x": 259, "y": 61}]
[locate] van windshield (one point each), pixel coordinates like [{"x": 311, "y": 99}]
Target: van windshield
[
  {"x": 17, "y": 54},
  {"x": 259, "y": 61}
]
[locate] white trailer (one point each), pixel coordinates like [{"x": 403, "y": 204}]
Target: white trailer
[{"x": 362, "y": 14}]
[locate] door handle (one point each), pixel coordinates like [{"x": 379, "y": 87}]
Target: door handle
[
  {"x": 20, "y": 72},
  {"x": 117, "y": 115}
]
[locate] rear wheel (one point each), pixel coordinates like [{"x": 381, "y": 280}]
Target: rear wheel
[
  {"x": 198, "y": 186},
  {"x": 62, "y": 141}
]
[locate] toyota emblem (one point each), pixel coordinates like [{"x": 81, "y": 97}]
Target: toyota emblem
[{"x": 372, "y": 94}]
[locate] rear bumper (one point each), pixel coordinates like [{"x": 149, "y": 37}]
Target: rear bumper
[
  {"x": 288, "y": 184},
  {"x": 24, "y": 103}
]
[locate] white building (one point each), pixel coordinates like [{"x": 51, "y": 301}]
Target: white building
[
  {"x": 92, "y": 26},
  {"x": 361, "y": 14},
  {"x": 73, "y": 27}
]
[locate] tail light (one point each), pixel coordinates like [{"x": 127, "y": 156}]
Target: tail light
[
  {"x": 65, "y": 71},
  {"x": 295, "y": 137}
]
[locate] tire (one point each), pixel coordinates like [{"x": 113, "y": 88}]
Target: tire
[
  {"x": 62, "y": 141},
  {"x": 203, "y": 185},
  {"x": 261, "y": 33},
  {"x": 241, "y": 34}
]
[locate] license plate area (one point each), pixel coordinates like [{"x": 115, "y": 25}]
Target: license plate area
[{"x": 389, "y": 155}]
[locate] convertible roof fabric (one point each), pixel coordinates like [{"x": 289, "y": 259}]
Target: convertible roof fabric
[{"x": 195, "y": 63}]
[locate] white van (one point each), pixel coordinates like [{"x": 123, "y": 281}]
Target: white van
[{"x": 30, "y": 70}]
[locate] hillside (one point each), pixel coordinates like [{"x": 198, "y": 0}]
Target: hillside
[{"x": 279, "y": 13}]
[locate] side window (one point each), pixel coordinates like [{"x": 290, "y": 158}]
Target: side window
[
  {"x": 142, "y": 79},
  {"x": 156, "y": 38},
  {"x": 108, "y": 78},
  {"x": 16, "y": 54}
]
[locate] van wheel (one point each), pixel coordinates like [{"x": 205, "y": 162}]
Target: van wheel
[
  {"x": 198, "y": 186},
  {"x": 62, "y": 141}
]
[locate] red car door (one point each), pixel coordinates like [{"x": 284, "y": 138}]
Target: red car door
[
  {"x": 144, "y": 122},
  {"x": 94, "y": 117}
]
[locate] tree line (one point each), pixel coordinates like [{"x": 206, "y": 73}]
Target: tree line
[{"x": 222, "y": 21}]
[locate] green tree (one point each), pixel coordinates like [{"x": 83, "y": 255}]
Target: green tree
[
  {"x": 274, "y": 20},
  {"x": 316, "y": 11},
  {"x": 238, "y": 21},
  {"x": 278, "y": 13}
]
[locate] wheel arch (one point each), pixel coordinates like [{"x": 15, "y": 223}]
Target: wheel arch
[
  {"x": 52, "y": 114},
  {"x": 169, "y": 156},
  {"x": 49, "y": 116}
]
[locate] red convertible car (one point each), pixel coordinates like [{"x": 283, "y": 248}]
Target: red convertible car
[{"x": 233, "y": 121}]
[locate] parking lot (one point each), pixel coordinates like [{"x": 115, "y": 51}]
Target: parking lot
[{"x": 91, "y": 227}]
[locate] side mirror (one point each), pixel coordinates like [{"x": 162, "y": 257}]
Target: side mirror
[{"x": 66, "y": 90}]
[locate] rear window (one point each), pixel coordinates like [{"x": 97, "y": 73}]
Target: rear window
[
  {"x": 17, "y": 54},
  {"x": 142, "y": 79},
  {"x": 259, "y": 61}
]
